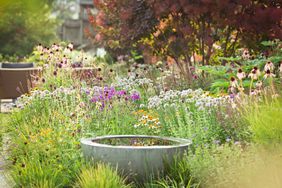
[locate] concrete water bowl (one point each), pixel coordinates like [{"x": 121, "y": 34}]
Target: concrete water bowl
[{"x": 137, "y": 162}]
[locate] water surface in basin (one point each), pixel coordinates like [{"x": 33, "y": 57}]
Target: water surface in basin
[{"x": 135, "y": 141}]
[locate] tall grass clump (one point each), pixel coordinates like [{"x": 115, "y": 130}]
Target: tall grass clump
[
  {"x": 101, "y": 176},
  {"x": 265, "y": 120},
  {"x": 44, "y": 148}
]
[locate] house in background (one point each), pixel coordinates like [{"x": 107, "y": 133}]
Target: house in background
[{"x": 72, "y": 29}]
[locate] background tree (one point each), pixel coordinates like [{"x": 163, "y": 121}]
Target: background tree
[
  {"x": 180, "y": 29},
  {"x": 23, "y": 24},
  {"x": 65, "y": 9}
]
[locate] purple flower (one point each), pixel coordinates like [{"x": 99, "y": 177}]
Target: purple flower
[
  {"x": 121, "y": 93},
  {"x": 106, "y": 95},
  {"x": 232, "y": 96},
  {"x": 135, "y": 96},
  {"x": 94, "y": 99}
]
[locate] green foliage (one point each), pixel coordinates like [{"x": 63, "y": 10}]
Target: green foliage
[
  {"x": 215, "y": 70},
  {"x": 172, "y": 183},
  {"x": 215, "y": 125},
  {"x": 209, "y": 164},
  {"x": 45, "y": 146},
  {"x": 178, "y": 175},
  {"x": 269, "y": 43},
  {"x": 45, "y": 133},
  {"x": 236, "y": 165},
  {"x": 23, "y": 24},
  {"x": 101, "y": 176},
  {"x": 265, "y": 120},
  {"x": 221, "y": 74},
  {"x": 229, "y": 59}
]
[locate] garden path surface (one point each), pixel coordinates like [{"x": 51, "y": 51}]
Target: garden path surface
[
  {"x": 3, "y": 179},
  {"x": 5, "y": 108},
  {"x": 3, "y": 172}
]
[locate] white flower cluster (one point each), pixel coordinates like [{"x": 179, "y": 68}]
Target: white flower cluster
[
  {"x": 197, "y": 97},
  {"x": 27, "y": 99},
  {"x": 132, "y": 83},
  {"x": 165, "y": 74},
  {"x": 207, "y": 102}
]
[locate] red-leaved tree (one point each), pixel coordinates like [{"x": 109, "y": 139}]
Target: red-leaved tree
[{"x": 182, "y": 28}]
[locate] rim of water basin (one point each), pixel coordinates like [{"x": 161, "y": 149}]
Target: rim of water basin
[{"x": 91, "y": 142}]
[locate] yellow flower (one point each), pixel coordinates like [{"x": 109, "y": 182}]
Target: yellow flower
[
  {"x": 98, "y": 105},
  {"x": 33, "y": 138},
  {"x": 45, "y": 132}
]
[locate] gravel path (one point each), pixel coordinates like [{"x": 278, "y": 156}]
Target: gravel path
[
  {"x": 3, "y": 172},
  {"x": 6, "y": 106},
  {"x": 3, "y": 180}
]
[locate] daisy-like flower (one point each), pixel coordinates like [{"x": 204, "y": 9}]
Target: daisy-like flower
[
  {"x": 259, "y": 84},
  {"x": 232, "y": 90},
  {"x": 70, "y": 46},
  {"x": 241, "y": 89},
  {"x": 233, "y": 82},
  {"x": 269, "y": 66},
  {"x": 255, "y": 73},
  {"x": 240, "y": 74},
  {"x": 268, "y": 74},
  {"x": 253, "y": 92},
  {"x": 39, "y": 48},
  {"x": 246, "y": 54}
]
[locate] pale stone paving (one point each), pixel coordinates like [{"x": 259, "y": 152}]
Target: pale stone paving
[
  {"x": 5, "y": 108},
  {"x": 3, "y": 179}
]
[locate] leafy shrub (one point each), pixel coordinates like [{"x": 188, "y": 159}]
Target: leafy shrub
[
  {"x": 203, "y": 126},
  {"x": 242, "y": 68}
]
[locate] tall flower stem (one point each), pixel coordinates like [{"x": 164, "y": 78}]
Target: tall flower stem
[{"x": 251, "y": 85}]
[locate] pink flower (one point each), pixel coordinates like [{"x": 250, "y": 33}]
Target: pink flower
[
  {"x": 98, "y": 37},
  {"x": 269, "y": 66},
  {"x": 240, "y": 74},
  {"x": 253, "y": 92},
  {"x": 255, "y": 73},
  {"x": 259, "y": 84},
  {"x": 135, "y": 96},
  {"x": 70, "y": 46},
  {"x": 39, "y": 48},
  {"x": 268, "y": 74},
  {"x": 233, "y": 82},
  {"x": 246, "y": 54}
]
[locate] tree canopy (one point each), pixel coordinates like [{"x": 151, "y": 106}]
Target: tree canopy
[
  {"x": 182, "y": 28},
  {"x": 23, "y": 24}
]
